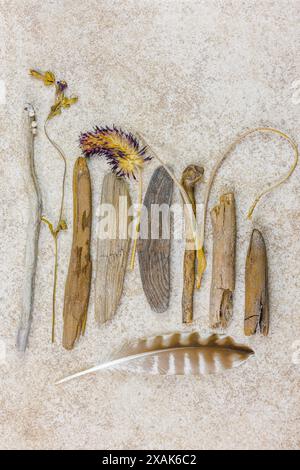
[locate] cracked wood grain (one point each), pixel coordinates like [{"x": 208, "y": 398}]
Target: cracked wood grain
[
  {"x": 77, "y": 289},
  {"x": 223, "y": 265},
  {"x": 256, "y": 287}
]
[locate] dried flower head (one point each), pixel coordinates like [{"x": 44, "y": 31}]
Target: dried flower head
[
  {"x": 121, "y": 149},
  {"x": 61, "y": 101}
]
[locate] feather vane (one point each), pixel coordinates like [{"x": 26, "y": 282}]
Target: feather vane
[{"x": 177, "y": 354}]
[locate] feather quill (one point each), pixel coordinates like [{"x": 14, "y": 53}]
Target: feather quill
[{"x": 177, "y": 354}]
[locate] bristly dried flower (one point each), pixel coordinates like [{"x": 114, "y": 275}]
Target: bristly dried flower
[{"x": 122, "y": 150}]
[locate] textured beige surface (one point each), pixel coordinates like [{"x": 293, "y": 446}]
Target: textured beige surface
[{"x": 190, "y": 74}]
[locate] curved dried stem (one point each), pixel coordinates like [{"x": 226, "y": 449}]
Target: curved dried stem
[
  {"x": 137, "y": 226},
  {"x": 60, "y": 226},
  {"x": 199, "y": 233},
  {"x": 263, "y": 193}
]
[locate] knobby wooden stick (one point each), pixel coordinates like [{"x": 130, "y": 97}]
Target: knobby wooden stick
[
  {"x": 256, "y": 287},
  {"x": 223, "y": 265},
  {"x": 112, "y": 247},
  {"x": 77, "y": 289},
  {"x": 190, "y": 177},
  {"x": 33, "y": 233}
]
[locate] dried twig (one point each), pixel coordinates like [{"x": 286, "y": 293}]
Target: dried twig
[
  {"x": 190, "y": 177},
  {"x": 33, "y": 232}
]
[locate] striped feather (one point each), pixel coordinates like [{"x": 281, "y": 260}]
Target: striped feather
[{"x": 177, "y": 354}]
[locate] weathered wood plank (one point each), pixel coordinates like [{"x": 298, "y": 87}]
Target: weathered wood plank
[
  {"x": 113, "y": 245},
  {"x": 155, "y": 240},
  {"x": 256, "y": 287},
  {"x": 223, "y": 267},
  {"x": 190, "y": 177},
  {"x": 77, "y": 289}
]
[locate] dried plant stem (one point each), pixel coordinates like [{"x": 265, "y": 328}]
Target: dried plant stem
[
  {"x": 138, "y": 221},
  {"x": 225, "y": 155},
  {"x": 215, "y": 169},
  {"x": 61, "y": 153},
  {"x": 60, "y": 226}
]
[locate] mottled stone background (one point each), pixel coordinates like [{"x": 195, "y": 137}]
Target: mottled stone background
[{"x": 191, "y": 75}]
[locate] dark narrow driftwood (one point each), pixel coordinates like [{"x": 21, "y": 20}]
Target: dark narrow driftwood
[
  {"x": 223, "y": 268},
  {"x": 78, "y": 282},
  {"x": 190, "y": 177},
  {"x": 154, "y": 242},
  {"x": 256, "y": 287},
  {"x": 112, "y": 248}
]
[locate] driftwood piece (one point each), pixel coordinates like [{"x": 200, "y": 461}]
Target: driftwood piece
[
  {"x": 256, "y": 287},
  {"x": 190, "y": 177},
  {"x": 155, "y": 240},
  {"x": 113, "y": 244},
  {"x": 32, "y": 239},
  {"x": 223, "y": 265},
  {"x": 77, "y": 289}
]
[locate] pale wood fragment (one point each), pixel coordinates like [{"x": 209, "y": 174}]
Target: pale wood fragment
[
  {"x": 155, "y": 241},
  {"x": 190, "y": 177},
  {"x": 113, "y": 247},
  {"x": 223, "y": 266},
  {"x": 32, "y": 238},
  {"x": 77, "y": 289},
  {"x": 256, "y": 287}
]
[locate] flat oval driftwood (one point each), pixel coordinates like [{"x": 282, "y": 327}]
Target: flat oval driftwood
[
  {"x": 155, "y": 240},
  {"x": 77, "y": 289},
  {"x": 256, "y": 287},
  {"x": 113, "y": 245}
]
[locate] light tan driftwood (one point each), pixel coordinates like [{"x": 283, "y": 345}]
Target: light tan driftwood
[
  {"x": 78, "y": 282},
  {"x": 223, "y": 267},
  {"x": 112, "y": 247},
  {"x": 256, "y": 287},
  {"x": 190, "y": 177}
]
